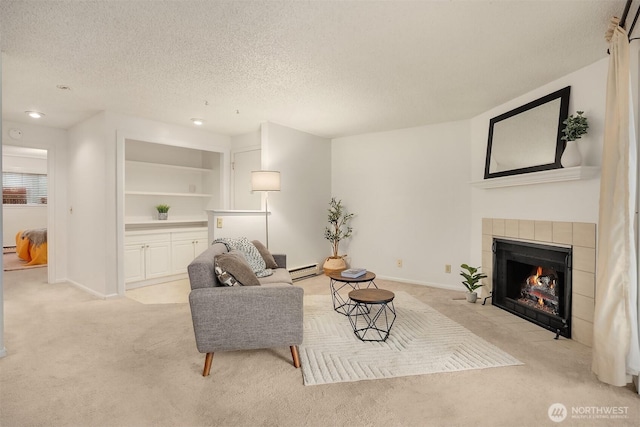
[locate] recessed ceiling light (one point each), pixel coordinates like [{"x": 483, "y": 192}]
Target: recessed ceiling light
[
  {"x": 197, "y": 122},
  {"x": 34, "y": 114}
]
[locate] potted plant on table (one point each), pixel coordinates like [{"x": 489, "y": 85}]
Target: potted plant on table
[
  {"x": 337, "y": 230},
  {"x": 574, "y": 128},
  {"x": 163, "y": 211},
  {"x": 472, "y": 278}
]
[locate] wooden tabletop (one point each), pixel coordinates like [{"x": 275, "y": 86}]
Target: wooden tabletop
[
  {"x": 371, "y": 296},
  {"x": 367, "y": 277}
]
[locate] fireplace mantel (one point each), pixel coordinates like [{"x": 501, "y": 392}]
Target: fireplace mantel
[{"x": 553, "y": 175}]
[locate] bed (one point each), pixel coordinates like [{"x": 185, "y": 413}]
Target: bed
[{"x": 31, "y": 246}]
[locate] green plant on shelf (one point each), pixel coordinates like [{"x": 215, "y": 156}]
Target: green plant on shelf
[
  {"x": 162, "y": 208},
  {"x": 575, "y": 127}
]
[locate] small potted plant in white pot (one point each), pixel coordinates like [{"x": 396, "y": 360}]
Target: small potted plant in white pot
[
  {"x": 163, "y": 211},
  {"x": 336, "y": 231},
  {"x": 574, "y": 128},
  {"x": 472, "y": 278}
]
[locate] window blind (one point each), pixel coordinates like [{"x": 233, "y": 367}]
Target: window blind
[{"x": 24, "y": 188}]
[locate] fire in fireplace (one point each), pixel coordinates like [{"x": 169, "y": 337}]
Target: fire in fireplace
[
  {"x": 539, "y": 290},
  {"x": 533, "y": 281}
]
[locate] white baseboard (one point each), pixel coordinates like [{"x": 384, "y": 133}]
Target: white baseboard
[
  {"x": 423, "y": 283},
  {"x": 89, "y": 290},
  {"x": 3, "y": 352}
]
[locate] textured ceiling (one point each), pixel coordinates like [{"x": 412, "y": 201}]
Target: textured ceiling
[{"x": 328, "y": 68}]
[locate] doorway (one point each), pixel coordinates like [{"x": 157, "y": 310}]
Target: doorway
[{"x": 26, "y": 199}]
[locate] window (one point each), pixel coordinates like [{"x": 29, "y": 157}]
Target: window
[{"x": 24, "y": 189}]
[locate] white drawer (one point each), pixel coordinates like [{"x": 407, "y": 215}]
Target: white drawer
[
  {"x": 147, "y": 238},
  {"x": 189, "y": 235}
]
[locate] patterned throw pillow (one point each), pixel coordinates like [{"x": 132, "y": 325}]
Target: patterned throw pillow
[
  {"x": 225, "y": 278},
  {"x": 266, "y": 255},
  {"x": 235, "y": 264},
  {"x": 248, "y": 249}
]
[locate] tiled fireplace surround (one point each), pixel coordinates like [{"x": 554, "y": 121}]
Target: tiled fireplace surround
[{"x": 581, "y": 236}]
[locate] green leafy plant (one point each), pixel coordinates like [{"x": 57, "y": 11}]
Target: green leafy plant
[
  {"x": 472, "y": 277},
  {"x": 162, "y": 208},
  {"x": 338, "y": 228},
  {"x": 575, "y": 127}
]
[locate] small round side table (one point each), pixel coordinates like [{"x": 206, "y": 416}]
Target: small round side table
[
  {"x": 338, "y": 282},
  {"x": 372, "y": 313}
]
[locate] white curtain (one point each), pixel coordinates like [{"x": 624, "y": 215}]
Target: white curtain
[{"x": 616, "y": 348}]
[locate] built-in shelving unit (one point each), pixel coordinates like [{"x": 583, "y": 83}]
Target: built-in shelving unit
[{"x": 186, "y": 179}]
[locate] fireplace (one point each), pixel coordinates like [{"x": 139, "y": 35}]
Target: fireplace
[{"x": 533, "y": 281}]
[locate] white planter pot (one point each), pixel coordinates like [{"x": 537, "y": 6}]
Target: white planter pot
[
  {"x": 472, "y": 296},
  {"x": 571, "y": 156}
]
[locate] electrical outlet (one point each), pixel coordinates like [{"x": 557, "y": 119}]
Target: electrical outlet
[
  {"x": 447, "y": 268},
  {"x": 219, "y": 222},
  {"x": 399, "y": 263}
]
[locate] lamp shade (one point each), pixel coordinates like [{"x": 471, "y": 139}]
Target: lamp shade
[{"x": 265, "y": 181}]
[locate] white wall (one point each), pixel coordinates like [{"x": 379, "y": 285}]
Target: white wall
[
  {"x": 245, "y": 156},
  {"x": 246, "y": 140},
  {"x": 90, "y": 233},
  {"x": 409, "y": 189},
  {"x": 574, "y": 201},
  {"x": 298, "y": 211}
]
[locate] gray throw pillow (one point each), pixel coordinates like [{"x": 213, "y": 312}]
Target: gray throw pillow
[
  {"x": 266, "y": 255},
  {"x": 235, "y": 264}
]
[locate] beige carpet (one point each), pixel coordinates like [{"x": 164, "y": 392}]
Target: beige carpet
[
  {"x": 75, "y": 360},
  {"x": 421, "y": 341},
  {"x": 176, "y": 292}
]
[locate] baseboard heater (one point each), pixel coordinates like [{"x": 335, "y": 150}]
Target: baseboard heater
[{"x": 304, "y": 271}]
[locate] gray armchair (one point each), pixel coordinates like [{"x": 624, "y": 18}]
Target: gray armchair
[{"x": 242, "y": 318}]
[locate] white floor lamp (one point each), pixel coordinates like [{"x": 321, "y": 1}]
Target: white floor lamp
[{"x": 265, "y": 181}]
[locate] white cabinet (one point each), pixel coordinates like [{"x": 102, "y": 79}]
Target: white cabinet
[
  {"x": 147, "y": 256},
  {"x": 157, "y": 254},
  {"x": 134, "y": 262},
  {"x": 185, "y": 246}
]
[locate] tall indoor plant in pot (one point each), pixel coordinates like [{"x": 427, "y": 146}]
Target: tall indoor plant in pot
[
  {"x": 337, "y": 230},
  {"x": 574, "y": 128},
  {"x": 471, "y": 281}
]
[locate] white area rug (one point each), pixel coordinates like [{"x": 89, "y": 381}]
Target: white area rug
[{"x": 422, "y": 341}]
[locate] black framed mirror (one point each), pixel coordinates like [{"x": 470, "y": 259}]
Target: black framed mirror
[{"x": 528, "y": 138}]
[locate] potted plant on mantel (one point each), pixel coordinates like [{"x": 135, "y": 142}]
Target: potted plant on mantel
[
  {"x": 472, "y": 278},
  {"x": 337, "y": 230},
  {"x": 163, "y": 211},
  {"x": 574, "y": 128}
]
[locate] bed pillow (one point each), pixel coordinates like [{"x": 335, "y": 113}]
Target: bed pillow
[
  {"x": 235, "y": 264},
  {"x": 266, "y": 255}
]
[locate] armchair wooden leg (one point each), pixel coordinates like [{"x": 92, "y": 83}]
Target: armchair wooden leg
[
  {"x": 294, "y": 354},
  {"x": 207, "y": 364}
]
